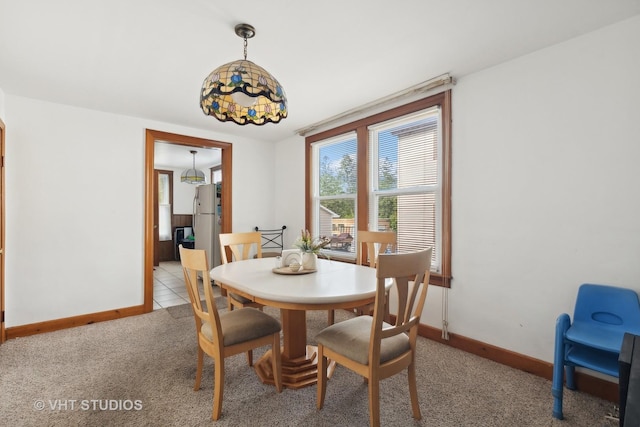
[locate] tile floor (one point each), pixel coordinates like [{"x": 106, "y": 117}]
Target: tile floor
[{"x": 168, "y": 285}]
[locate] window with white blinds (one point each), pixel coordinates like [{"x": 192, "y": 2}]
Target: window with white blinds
[
  {"x": 405, "y": 180},
  {"x": 387, "y": 172}
]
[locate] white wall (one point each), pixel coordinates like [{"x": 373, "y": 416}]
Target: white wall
[
  {"x": 545, "y": 169},
  {"x": 75, "y": 207},
  {"x": 289, "y": 179},
  {"x": 545, "y": 166},
  {"x": 183, "y": 194},
  {"x": 2, "y": 104}
]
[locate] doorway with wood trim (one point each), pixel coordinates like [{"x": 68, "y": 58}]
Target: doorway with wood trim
[{"x": 151, "y": 189}]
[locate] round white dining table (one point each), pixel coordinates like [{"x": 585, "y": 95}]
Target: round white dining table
[{"x": 333, "y": 285}]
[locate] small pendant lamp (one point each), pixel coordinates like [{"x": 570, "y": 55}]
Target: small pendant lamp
[
  {"x": 242, "y": 91},
  {"x": 192, "y": 176}
]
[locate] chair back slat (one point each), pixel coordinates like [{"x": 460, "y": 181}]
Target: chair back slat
[
  {"x": 242, "y": 245},
  {"x": 402, "y": 296}
]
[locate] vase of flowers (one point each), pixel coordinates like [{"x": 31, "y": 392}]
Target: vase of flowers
[{"x": 310, "y": 246}]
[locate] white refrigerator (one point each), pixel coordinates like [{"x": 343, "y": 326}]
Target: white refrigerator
[{"x": 206, "y": 222}]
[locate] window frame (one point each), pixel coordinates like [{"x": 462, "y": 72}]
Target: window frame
[
  {"x": 361, "y": 129},
  {"x": 416, "y": 190}
]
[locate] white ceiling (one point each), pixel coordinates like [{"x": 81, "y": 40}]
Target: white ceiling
[
  {"x": 148, "y": 58},
  {"x": 167, "y": 155}
]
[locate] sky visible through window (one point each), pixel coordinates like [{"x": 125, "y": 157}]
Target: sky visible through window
[
  {"x": 334, "y": 152},
  {"x": 387, "y": 148}
]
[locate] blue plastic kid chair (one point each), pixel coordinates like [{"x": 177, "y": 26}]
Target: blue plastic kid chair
[{"x": 601, "y": 316}]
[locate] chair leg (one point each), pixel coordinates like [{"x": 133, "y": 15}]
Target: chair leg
[
  {"x": 413, "y": 391},
  {"x": 374, "y": 401},
  {"x": 218, "y": 388},
  {"x": 570, "y": 377},
  {"x": 562, "y": 324},
  {"x": 250, "y": 357},
  {"x": 322, "y": 376},
  {"x": 276, "y": 357},
  {"x": 331, "y": 317},
  {"x": 196, "y": 387}
]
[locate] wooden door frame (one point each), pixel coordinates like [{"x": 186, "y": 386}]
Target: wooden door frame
[
  {"x": 151, "y": 136},
  {"x": 3, "y": 335}
]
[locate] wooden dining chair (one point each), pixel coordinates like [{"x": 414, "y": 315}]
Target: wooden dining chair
[
  {"x": 221, "y": 335},
  {"x": 368, "y": 245},
  {"x": 272, "y": 241},
  {"x": 242, "y": 246},
  {"x": 376, "y": 349}
]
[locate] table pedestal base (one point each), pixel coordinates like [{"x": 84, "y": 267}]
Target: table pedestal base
[{"x": 296, "y": 373}]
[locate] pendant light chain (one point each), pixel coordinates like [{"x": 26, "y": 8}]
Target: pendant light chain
[{"x": 245, "y": 47}]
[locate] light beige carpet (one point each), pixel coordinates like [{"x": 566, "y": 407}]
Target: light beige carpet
[{"x": 140, "y": 371}]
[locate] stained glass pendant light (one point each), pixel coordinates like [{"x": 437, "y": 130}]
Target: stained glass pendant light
[
  {"x": 192, "y": 176},
  {"x": 242, "y": 91}
]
